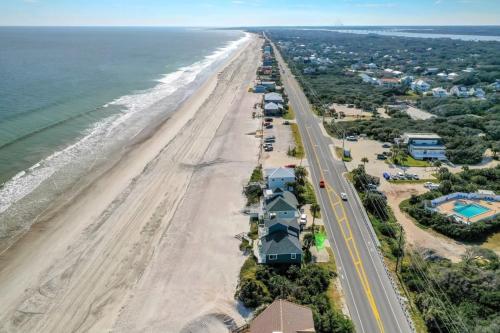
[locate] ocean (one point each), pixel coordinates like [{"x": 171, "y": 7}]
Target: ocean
[{"x": 71, "y": 97}]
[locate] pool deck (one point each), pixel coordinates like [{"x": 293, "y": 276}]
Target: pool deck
[{"x": 447, "y": 208}]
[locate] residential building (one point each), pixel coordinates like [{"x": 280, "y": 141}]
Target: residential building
[
  {"x": 279, "y": 241},
  {"x": 284, "y": 206},
  {"x": 273, "y": 97},
  {"x": 270, "y": 85},
  {"x": 309, "y": 70},
  {"x": 495, "y": 85},
  {"x": 273, "y": 109},
  {"x": 389, "y": 83},
  {"x": 259, "y": 88},
  {"x": 459, "y": 91},
  {"x": 420, "y": 86},
  {"x": 407, "y": 80},
  {"x": 368, "y": 79},
  {"x": 439, "y": 92},
  {"x": 279, "y": 178},
  {"x": 284, "y": 317},
  {"x": 477, "y": 92},
  {"x": 442, "y": 76},
  {"x": 425, "y": 146}
]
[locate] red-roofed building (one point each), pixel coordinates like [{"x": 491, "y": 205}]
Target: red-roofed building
[{"x": 283, "y": 317}]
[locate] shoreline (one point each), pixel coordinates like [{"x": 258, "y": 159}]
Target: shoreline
[
  {"x": 26, "y": 197},
  {"x": 126, "y": 208}
]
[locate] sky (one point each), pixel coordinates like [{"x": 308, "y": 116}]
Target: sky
[{"x": 230, "y": 13}]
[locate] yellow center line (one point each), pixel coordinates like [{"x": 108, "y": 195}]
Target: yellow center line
[{"x": 349, "y": 239}]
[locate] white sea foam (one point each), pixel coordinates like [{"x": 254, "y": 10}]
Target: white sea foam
[{"x": 95, "y": 137}]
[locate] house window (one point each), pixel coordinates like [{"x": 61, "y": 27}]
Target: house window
[
  {"x": 272, "y": 256},
  {"x": 293, "y": 256}
]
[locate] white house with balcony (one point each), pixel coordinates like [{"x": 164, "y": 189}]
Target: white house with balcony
[
  {"x": 439, "y": 92},
  {"x": 279, "y": 178},
  {"x": 459, "y": 91},
  {"x": 420, "y": 86},
  {"x": 425, "y": 146}
]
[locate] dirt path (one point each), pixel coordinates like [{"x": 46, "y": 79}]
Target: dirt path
[
  {"x": 414, "y": 235},
  {"x": 148, "y": 246}
]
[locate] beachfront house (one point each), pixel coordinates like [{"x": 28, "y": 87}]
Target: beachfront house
[
  {"x": 274, "y": 98},
  {"x": 284, "y": 317},
  {"x": 459, "y": 91},
  {"x": 270, "y": 85},
  {"x": 259, "y": 88},
  {"x": 425, "y": 146},
  {"x": 420, "y": 86},
  {"x": 284, "y": 206},
  {"x": 273, "y": 109},
  {"x": 279, "y": 241},
  {"x": 439, "y": 92},
  {"x": 279, "y": 178}
]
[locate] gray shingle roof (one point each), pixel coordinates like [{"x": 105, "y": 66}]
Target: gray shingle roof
[
  {"x": 280, "y": 242},
  {"x": 280, "y": 204}
]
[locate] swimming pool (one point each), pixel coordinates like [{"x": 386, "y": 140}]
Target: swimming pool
[{"x": 469, "y": 210}]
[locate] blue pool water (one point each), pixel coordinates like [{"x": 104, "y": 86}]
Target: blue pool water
[{"x": 469, "y": 210}]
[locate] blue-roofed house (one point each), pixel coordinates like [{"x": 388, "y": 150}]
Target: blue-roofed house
[
  {"x": 259, "y": 88},
  {"x": 279, "y": 178}
]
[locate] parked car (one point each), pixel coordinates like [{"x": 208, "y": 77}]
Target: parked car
[
  {"x": 268, "y": 148},
  {"x": 269, "y": 140},
  {"x": 386, "y": 145},
  {"x": 291, "y": 166},
  {"x": 303, "y": 219},
  {"x": 351, "y": 138},
  {"x": 322, "y": 183},
  {"x": 343, "y": 195},
  {"x": 381, "y": 157},
  {"x": 431, "y": 186},
  {"x": 269, "y": 119},
  {"x": 269, "y": 126},
  {"x": 286, "y": 122}
]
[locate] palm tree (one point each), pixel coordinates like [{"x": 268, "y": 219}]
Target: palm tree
[
  {"x": 364, "y": 160},
  {"x": 315, "y": 209},
  {"x": 437, "y": 164},
  {"x": 300, "y": 174}
]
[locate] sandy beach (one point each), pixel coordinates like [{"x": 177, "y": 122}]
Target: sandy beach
[{"x": 149, "y": 246}]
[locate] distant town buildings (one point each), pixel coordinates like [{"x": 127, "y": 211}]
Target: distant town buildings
[{"x": 420, "y": 86}]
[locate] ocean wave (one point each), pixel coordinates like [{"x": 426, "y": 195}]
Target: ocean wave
[{"x": 94, "y": 138}]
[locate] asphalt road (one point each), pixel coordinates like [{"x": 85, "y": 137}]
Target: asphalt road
[{"x": 371, "y": 299}]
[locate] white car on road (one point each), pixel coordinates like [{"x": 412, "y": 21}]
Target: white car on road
[{"x": 343, "y": 195}]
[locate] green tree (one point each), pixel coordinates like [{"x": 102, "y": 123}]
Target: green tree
[
  {"x": 315, "y": 209},
  {"x": 300, "y": 174},
  {"x": 364, "y": 160}
]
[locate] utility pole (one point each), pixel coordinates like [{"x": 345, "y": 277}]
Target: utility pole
[{"x": 400, "y": 252}]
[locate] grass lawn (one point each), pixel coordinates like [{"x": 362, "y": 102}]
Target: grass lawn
[
  {"x": 248, "y": 269},
  {"x": 406, "y": 181},
  {"x": 257, "y": 175},
  {"x": 289, "y": 115},
  {"x": 299, "y": 147},
  {"x": 410, "y": 162}
]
